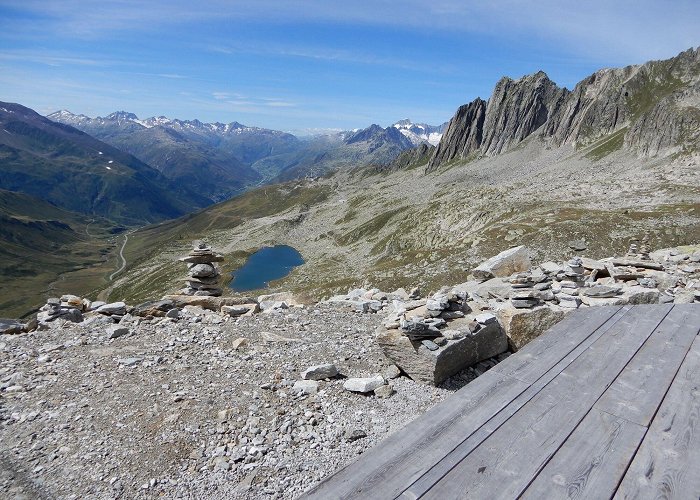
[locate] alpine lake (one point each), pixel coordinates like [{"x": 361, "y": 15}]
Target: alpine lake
[{"x": 265, "y": 265}]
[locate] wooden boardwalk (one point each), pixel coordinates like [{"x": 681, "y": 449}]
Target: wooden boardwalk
[{"x": 606, "y": 404}]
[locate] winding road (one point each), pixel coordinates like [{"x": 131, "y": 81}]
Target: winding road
[{"x": 121, "y": 256}]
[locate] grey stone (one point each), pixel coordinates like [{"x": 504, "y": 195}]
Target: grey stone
[
  {"x": 354, "y": 434},
  {"x": 384, "y": 391},
  {"x": 305, "y": 386},
  {"x": 364, "y": 385},
  {"x": 129, "y": 361},
  {"x": 513, "y": 260},
  {"x": 601, "y": 291},
  {"x": 116, "y": 331},
  {"x": 485, "y": 318},
  {"x": 430, "y": 345},
  {"x": 417, "y": 330},
  {"x": 118, "y": 308},
  {"x": 320, "y": 372},
  {"x": 173, "y": 313},
  {"x": 202, "y": 271}
]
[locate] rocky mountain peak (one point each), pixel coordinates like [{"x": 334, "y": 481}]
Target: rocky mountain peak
[{"x": 653, "y": 107}]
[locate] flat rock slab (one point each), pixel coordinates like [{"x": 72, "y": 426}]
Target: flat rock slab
[{"x": 523, "y": 325}]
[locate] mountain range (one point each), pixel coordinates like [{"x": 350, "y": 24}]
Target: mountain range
[
  {"x": 73, "y": 170},
  {"x": 220, "y": 160},
  {"x": 615, "y": 158}
]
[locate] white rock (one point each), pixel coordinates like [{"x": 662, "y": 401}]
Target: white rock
[
  {"x": 305, "y": 386},
  {"x": 367, "y": 384},
  {"x": 513, "y": 260}
]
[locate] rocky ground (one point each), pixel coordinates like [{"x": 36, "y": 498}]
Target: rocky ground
[{"x": 183, "y": 408}]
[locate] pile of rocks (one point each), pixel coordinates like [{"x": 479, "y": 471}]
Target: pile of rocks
[
  {"x": 203, "y": 276},
  {"x": 73, "y": 308},
  {"x": 434, "y": 338},
  {"x": 370, "y": 300}
]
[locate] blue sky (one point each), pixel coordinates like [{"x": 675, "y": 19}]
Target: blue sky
[{"x": 302, "y": 65}]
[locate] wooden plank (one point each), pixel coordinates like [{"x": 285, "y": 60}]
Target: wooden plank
[
  {"x": 594, "y": 458},
  {"x": 666, "y": 464},
  {"x": 638, "y": 391},
  {"x": 405, "y": 456},
  {"x": 510, "y": 457},
  {"x": 451, "y": 459},
  {"x": 591, "y": 462},
  {"x": 548, "y": 349}
]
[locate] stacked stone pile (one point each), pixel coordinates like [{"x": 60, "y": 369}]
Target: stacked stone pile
[
  {"x": 73, "y": 308},
  {"x": 203, "y": 276},
  {"x": 534, "y": 298},
  {"x": 431, "y": 339}
]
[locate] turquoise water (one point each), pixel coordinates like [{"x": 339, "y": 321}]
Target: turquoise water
[{"x": 265, "y": 265}]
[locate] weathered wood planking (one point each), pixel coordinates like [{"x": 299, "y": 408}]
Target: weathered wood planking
[
  {"x": 667, "y": 464},
  {"x": 592, "y": 460},
  {"x": 637, "y": 393},
  {"x": 497, "y": 467},
  {"x": 596, "y": 455},
  {"x": 583, "y": 333},
  {"x": 387, "y": 469}
]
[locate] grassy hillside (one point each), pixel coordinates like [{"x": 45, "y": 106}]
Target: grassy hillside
[
  {"x": 46, "y": 251},
  {"x": 403, "y": 227},
  {"x": 70, "y": 169}
]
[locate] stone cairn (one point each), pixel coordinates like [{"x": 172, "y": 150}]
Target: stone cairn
[{"x": 203, "y": 279}]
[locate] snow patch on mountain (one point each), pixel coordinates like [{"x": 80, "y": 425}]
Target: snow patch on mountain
[{"x": 419, "y": 133}]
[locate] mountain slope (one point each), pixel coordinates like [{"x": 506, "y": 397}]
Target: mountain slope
[
  {"x": 652, "y": 107},
  {"x": 509, "y": 182},
  {"x": 373, "y": 145},
  {"x": 216, "y": 159},
  {"x": 40, "y": 243},
  {"x": 75, "y": 171}
]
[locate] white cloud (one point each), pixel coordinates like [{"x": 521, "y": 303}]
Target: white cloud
[{"x": 621, "y": 28}]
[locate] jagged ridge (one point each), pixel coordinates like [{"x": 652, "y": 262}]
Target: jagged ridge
[{"x": 655, "y": 105}]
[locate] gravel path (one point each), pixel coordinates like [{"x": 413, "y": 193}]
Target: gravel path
[{"x": 176, "y": 409}]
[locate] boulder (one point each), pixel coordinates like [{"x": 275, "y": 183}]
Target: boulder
[
  {"x": 513, "y": 260},
  {"x": 523, "y": 325},
  {"x": 457, "y": 353},
  {"x": 363, "y": 385},
  {"x": 641, "y": 295},
  {"x": 319, "y": 372},
  {"x": 114, "y": 308}
]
